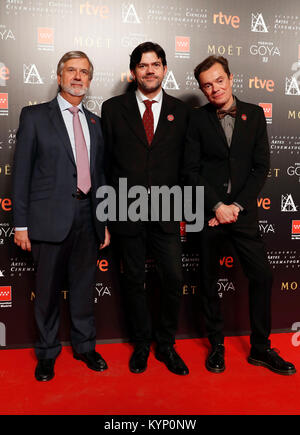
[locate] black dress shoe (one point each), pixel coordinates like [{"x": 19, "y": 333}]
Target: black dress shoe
[
  {"x": 139, "y": 358},
  {"x": 45, "y": 369},
  {"x": 270, "y": 359},
  {"x": 215, "y": 361},
  {"x": 92, "y": 359},
  {"x": 170, "y": 357}
]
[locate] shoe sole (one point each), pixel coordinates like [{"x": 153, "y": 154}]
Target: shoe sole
[
  {"x": 256, "y": 362},
  {"x": 213, "y": 370},
  {"x": 88, "y": 365},
  {"x": 43, "y": 379},
  {"x": 136, "y": 372}
]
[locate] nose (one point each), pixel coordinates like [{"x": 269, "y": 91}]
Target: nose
[
  {"x": 77, "y": 75},
  {"x": 215, "y": 87},
  {"x": 150, "y": 69}
]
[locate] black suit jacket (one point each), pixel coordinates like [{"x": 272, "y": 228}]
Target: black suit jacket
[
  {"x": 44, "y": 172},
  {"x": 209, "y": 162},
  {"x": 130, "y": 155}
]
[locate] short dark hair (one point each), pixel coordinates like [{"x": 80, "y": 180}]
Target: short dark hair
[
  {"x": 146, "y": 47},
  {"x": 208, "y": 63}
]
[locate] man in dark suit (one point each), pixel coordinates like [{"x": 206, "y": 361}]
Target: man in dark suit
[
  {"x": 58, "y": 166},
  {"x": 146, "y": 148},
  {"x": 228, "y": 153}
]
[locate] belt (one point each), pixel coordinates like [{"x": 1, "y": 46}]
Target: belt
[{"x": 80, "y": 195}]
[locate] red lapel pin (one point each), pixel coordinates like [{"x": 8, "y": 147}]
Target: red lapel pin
[
  {"x": 244, "y": 117},
  {"x": 170, "y": 118},
  {"x": 93, "y": 121}
]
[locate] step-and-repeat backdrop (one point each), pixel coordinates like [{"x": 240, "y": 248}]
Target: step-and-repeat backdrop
[{"x": 261, "y": 40}]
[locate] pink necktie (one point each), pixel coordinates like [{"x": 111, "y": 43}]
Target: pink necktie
[
  {"x": 82, "y": 158},
  {"x": 148, "y": 120}
]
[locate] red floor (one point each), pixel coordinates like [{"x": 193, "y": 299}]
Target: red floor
[{"x": 241, "y": 389}]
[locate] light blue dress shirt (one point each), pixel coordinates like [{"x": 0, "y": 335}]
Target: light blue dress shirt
[{"x": 68, "y": 119}]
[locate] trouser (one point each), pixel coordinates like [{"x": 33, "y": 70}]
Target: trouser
[
  {"x": 245, "y": 237},
  {"x": 73, "y": 259},
  {"x": 166, "y": 251}
]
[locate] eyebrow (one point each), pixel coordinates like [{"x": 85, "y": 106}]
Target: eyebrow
[
  {"x": 218, "y": 78},
  {"x": 151, "y": 63}
]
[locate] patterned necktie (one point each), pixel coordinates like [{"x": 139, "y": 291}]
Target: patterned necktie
[
  {"x": 222, "y": 113},
  {"x": 82, "y": 159},
  {"x": 148, "y": 120}
]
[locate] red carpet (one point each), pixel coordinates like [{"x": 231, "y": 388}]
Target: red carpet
[{"x": 241, "y": 389}]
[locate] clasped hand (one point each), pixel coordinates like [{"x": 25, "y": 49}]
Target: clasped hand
[{"x": 225, "y": 214}]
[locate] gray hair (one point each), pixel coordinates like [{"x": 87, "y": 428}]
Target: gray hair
[{"x": 74, "y": 55}]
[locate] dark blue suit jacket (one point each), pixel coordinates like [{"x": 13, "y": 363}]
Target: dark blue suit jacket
[{"x": 45, "y": 176}]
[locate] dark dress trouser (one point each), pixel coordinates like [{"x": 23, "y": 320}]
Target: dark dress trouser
[
  {"x": 166, "y": 251},
  {"x": 74, "y": 260},
  {"x": 245, "y": 237}
]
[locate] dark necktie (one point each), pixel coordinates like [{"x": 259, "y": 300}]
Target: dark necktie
[
  {"x": 222, "y": 113},
  {"x": 82, "y": 159},
  {"x": 148, "y": 120}
]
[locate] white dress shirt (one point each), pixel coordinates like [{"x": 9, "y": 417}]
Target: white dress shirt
[
  {"x": 64, "y": 105},
  {"x": 156, "y": 107}
]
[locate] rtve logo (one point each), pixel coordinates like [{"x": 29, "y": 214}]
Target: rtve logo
[
  {"x": 4, "y": 74},
  {"x": 226, "y": 261},
  {"x": 261, "y": 84},
  {"x": 264, "y": 203},
  {"x": 102, "y": 265},
  {"x": 228, "y": 20},
  {"x": 5, "y": 204},
  {"x": 89, "y": 9}
]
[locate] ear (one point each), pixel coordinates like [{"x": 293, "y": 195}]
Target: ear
[
  {"x": 231, "y": 79},
  {"x": 133, "y": 74},
  {"x": 58, "y": 79},
  {"x": 165, "y": 70}
]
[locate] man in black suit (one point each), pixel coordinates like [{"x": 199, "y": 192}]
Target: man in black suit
[
  {"x": 228, "y": 153},
  {"x": 148, "y": 155},
  {"x": 58, "y": 166}
]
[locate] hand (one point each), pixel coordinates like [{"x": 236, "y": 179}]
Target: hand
[
  {"x": 21, "y": 239},
  {"x": 213, "y": 222},
  {"x": 227, "y": 214},
  {"x": 235, "y": 210},
  {"x": 106, "y": 239}
]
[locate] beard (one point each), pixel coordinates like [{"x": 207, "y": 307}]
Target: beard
[
  {"x": 76, "y": 92},
  {"x": 150, "y": 87}
]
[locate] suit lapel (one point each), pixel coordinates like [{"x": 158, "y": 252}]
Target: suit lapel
[
  {"x": 60, "y": 127},
  {"x": 212, "y": 113},
  {"x": 132, "y": 114},
  {"x": 239, "y": 124},
  {"x": 167, "y": 108}
]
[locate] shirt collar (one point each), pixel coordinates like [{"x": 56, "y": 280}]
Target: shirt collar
[
  {"x": 65, "y": 105},
  {"x": 141, "y": 97}
]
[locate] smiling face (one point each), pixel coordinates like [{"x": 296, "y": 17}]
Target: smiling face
[
  {"x": 217, "y": 86},
  {"x": 149, "y": 74},
  {"x": 74, "y": 79}
]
